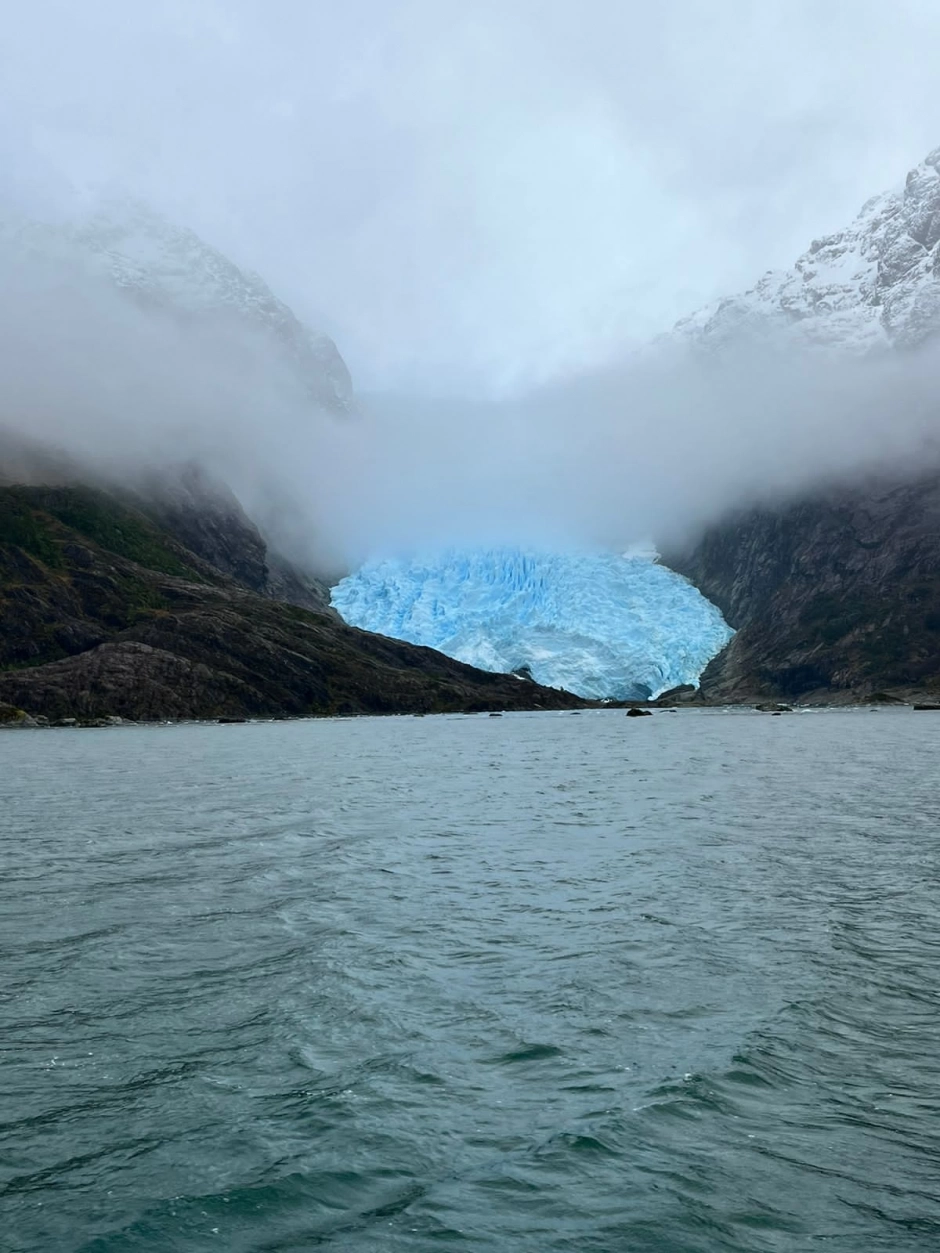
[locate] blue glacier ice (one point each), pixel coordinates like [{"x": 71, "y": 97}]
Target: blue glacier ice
[{"x": 599, "y": 624}]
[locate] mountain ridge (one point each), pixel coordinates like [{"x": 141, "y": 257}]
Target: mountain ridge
[
  {"x": 873, "y": 286},
  {"x": 162, "y": 265},
  {"x": 834, "y": 594}
]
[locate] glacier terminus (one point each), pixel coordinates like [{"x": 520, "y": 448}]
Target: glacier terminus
[{"x": 602, "y": 625}]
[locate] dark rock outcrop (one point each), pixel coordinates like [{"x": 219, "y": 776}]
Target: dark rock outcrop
[
  {"x": 833, "y": 597},
  {"x": 685, "y": 693},
  {"x": 10, "y": 716},
  {"x": 206, "y": 517}
]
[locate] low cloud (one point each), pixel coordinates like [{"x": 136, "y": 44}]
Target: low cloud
[{"x": 654, "y": 447}]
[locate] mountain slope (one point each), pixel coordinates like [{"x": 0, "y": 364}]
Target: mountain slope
[
  {"x": 205, "y": 516},
  {"x": 161, "y": 265},
  {"x": 104, "y": 613},
  {"x": 873, "y": 286},
  {"x": 835, "y": 596},
  {"x": 198, "y": 510}
]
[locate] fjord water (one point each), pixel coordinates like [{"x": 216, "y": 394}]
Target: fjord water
[{"x": 539, "y": 982}]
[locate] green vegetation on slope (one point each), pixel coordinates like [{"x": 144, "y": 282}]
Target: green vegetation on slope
[
  {"x": 23, "y": 526},
  {"x": 76, "y": 565},
  {"x": 102, "y": 613},
  {"x": 110, "y": 525}
]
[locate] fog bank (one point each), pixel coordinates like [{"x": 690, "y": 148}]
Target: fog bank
[
  {"x": 491, "y": 207},
  {"x": 653, "y": 447}
]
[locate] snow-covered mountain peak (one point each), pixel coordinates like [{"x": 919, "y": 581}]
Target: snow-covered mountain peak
[
  {"x": 872, "y": 286},
  {"x": 159, "y": 263}
]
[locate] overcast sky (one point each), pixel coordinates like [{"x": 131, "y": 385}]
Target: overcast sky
[{"x": 472, "y": 193}]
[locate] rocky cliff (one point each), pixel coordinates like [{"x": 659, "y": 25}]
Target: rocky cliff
[
  {"x": 834, "y": 597},
  {"x": 205, "y": 516},
  {"x": 105, "y": 613}
]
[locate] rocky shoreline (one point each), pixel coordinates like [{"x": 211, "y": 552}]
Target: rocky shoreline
[
  {"x": 116, "y": 607},
  {"x": 12, "y": 718}
]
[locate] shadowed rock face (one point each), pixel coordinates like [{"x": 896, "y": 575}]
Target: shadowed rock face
[
  {"x": 103, "y": 612},
  {"x": 207, "y": 519},
  {"x": 836, "y": 596},
  {"x": 189, "y": 504}
]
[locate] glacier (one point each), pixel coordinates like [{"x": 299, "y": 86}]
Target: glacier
[{"x": 602, "y": 625}]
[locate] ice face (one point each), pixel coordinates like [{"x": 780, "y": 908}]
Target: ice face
[{"x": 598, "y": 624}]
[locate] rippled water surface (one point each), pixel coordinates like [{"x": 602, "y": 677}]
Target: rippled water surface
[{"x": 532, "y": 983}]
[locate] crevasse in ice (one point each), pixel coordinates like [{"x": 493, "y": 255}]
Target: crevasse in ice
[{"x": 599, "y": 624}]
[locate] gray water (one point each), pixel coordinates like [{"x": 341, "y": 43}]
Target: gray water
[{"x": 539, "y": 982}]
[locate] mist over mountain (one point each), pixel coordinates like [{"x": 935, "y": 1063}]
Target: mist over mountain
[
  {"x": 165, "y": 351},
  {"x": 491, "y": 213},
  {"x": 495, "y": 227},
  {"x": 131, "y": 346},
  {"x": 166, "y": 268},
  {"x": 468, "y": 197}
]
